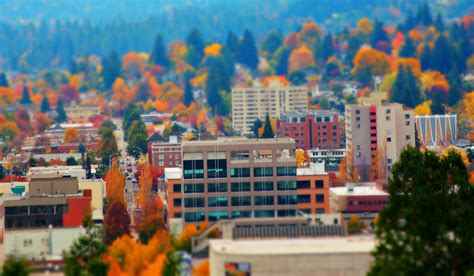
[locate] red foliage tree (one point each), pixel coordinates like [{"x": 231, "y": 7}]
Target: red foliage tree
[
  {"x": 68, "y": 93},
  {"x": 117, "y": 221}
]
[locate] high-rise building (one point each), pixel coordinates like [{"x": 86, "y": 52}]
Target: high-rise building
[
  {"x": 436, "y": 130},
  {"x": 255, "y": 102},
  {"x": 311, "y": 129},
  {"x": 377, "y": 132}
]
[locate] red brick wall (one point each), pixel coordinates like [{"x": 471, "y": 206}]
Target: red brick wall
[{"x": 76, "y": 208}]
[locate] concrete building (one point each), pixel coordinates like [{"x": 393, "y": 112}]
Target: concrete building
[
  {"x": 75, "y": 111},
  {"x": 165, "y": 154},
  {"x": 70, "y": 171},
  {"x": 331, "y": 158},
  {"x": 319, "y": 256},
  {"x": 255, "y": 102},
  {"x": 311, "y": 129},
  {"x": 313, "y": 190},
  {"x": 378, "y": 129},
  {"x": 437, "y": 130}
]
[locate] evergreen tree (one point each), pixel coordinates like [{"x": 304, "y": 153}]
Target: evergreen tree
[
  {"x": 272, "y": 42},
  {"x": 408, "y": 49},
  {"x": 16, "y": 266},
  {"x": 73, "y": 67},
  {"x": 45, "y": 107},
  {"x": 257, "y": 124},
  {"x": 424, "y": 15},
  {"x": 137, "y": 139},
  {"x": 442, "y": 55},
  {"x": 61, "y": 117},
  {"x": 267, "y": 128},
  {"x": 71, "y": 161},
  {"x": 398, "y": 86},
  {"x": 158, "y": 53},
  {"x": 297, "y": 78},
  {"x": 2, "y": 172},
  {"x": 439, "y": 24},
  {"x": 217, "y": 81},
  {"x": 415, "y": 234},
  {"x": 379, "y": 34},
  {"x": 232, "y": 43},
  {"x": 282, "y": 65},
  {"x": 3, "y": 80},
  {"x": 327, "y": 48},
  {"x": 88, "y": 167},
  {"x": 172, "y": 265},
  {"x": 107, "y": 146},
  {"x": 195, "y": 45},
  {"x": 455, "y": 88},
  {"x": 463, "y": 53},
  {"x": 426, "y": 58},
  {"x": 26, "y": 96},
  {"x": 111, "y": 69},
  {"x": 410, "y": 22},
  {"x": 437, "y": 103},
  {"x": 247, "y": 51},
  {"x": 406, "y": 89},
  {"x": 188, "y": 89}
]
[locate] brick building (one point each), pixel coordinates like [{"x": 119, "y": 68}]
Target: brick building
[{"x": 165, "y": 154}]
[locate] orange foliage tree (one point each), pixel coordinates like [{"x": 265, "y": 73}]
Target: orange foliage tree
[
  {"x": 121, "y": 95},
  {"x": 133, "y": 65},
  {"x": 213, "y": 49},
  {"x": 7, "y": 97},
  {"x": 115, "y": 184},
  {"x": 42, "y": 122},
  {"x": 202, "y": 269},
  {"x": 292, "y": 41},
  {"x": 367, "y": 58},
  {"x": 413, "y": 63},
  {"x": 300, "y": 59},
  {"x": 71, "y": 136}
]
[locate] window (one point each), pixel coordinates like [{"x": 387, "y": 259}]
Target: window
[
  {"x": 193, "y": 188},
  {"x": 240, "y": 187},
  {"x": 358, "y": 147},
  {"x": 407, "y": 137},
  {"x": 220, "y": 201},
  {"x": 215, "y": 216},
  {"x": 306, "y": 211},
  {"x": 161, "y": 163},
  {"x": 177, "y": 202},
  {"x": 216, "y": 168},
  {"x": 264, "y": 213},
  {"x": 242, "y": 214},
  {"x": 389, "y": 139},
  {"x": 194, "y": 217},
  {"x": 241, "y": 201},
  {"x": 42, "y": 209},
  {"x": 319, "y": 198},
  {"x": 239, "y": 172},
  {"x": 387, "y": 111},
  {"x": 286, "y": 213},
  {"x": 319, "y": 184},
  {"x": 217, "y": 187},
  {"x": 176, "y": 188},
  {"x": 319, "y": 210},
  {"x": 263, "y": 186},
  {"x": 286, "y": 171},
  {"x": 193, "y": 169},
  {"x": 304, "y": 198},
  {"x": 304, "y": 184},
  {"x": 387, "y": 118},
  {"x": 407, "y": 116},
  {"x": 258, "y": 172},
  {"x": 286, "y": 185},
  {"x": 287, "y": 199},
  {"x": 178, "y": 215},
  {"x": 263, "y": 200},
  {"x": 196, "y": 202}
]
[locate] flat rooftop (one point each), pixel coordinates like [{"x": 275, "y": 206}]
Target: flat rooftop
[
  {"x": 173, "y": 173},
  {"x": 294, "y": 246},
  {"x": 358, "y": 191},
  {"x": 238, "y": 141}
]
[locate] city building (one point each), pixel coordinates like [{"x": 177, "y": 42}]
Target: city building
[
  {"x": 255, "y": 102},
  {"x": 70, "y": 171},
  {"x": 437, "y": 130},
  {"x": 377, "y": 131},
  {"x": 321, "y": 256},
  {"x": 75, "y": 111},
  {"x": 331, "y": 158},
  {"x": 165, "y": 154},
  {"x": 311, "y": 129},
  {"x": 365, "y": 200},
  {"x": 313, "y": 189},
  {"x": 174, "y": 184}
]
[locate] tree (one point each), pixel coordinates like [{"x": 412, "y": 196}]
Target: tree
[
  {"x": 437, "y": 102},
  {"x": 415, "y": 233},
  {"x": 137, "y": 136},
  {"x": 71, "y": 161},
  {"x": 16, "y": 266},
  {"x": 232, "y": 43},
  {"x": 107, "y": 146},
  {"x": 111, "y": 69},
  {"x": 2, "y": 172},
  {"x": 257, "y": 124},
  {"x": 195, "y": 45},
  {"x": 455, "y": 88},
  {"x": 45, "y": 104},
  {"x": 354, "y": 226},
  {"x": 71, "y": 135},
  {"x": 439, "y": 24},
  {"x": 297, "y": 78},
  {"x": 423, "y": 15},
  {"x": 248, "y": 55},
  {"x": 172, "y": 265},
  {"x": 368, "y": 63},
  {"x": 61, "y": 117},
  {"x": 217, "y": 81},
  {"x": 26, "y": 95},
  {"x": 282, "y": 65},
  {"x": 300, "y": 59},
  {"x": 188, "y": 89},
  {"x": 327, "y": 49},
  {"x": 88, "y": 167},
  {"x": 408, "y": 49},
  {"x": 85, "y": 254},
  {"x": 272, "y": 42},
  {"x": 158, "y": 53},
  {"x": 406, "y": 88},
  {"x": 267, "y": 128},
  {"x": 115, "y": 184},
  {"x": 442, "y": 59},
  {"x": 3, "y": 80},
  {"x": 117, "y": 222},
  {"x": 380, "y": 37}
]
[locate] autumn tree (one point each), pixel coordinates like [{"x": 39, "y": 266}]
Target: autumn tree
[
  {"x": 368, "y": 63},
  {"x": 300, "y": 59},
  {"x": 121, "y": 95},
  {"x": 423, "y": 109},
  {"x": 202, "y": 269},
  {"x": 158, "y": 52},
  {"x": 248, "y": 55},
  {"x": 117, "y": 221},
  {"x": 71, "y": 136},
  {"x": 115, "y": 184},
  {"x": 415, "y": 234},
  {"x": 354, "y": 225}
]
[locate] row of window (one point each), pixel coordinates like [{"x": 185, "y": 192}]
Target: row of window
[
  {"x": 214, "y": 216},
  {"x": 238, "y": 187},
  {"x": 368, "y": 202}
]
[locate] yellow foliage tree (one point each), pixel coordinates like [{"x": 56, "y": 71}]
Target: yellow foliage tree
[
  {"x": 376, "y": 61},
  {"x": 115, "y": 184},
  {"x": 423, "y": 109},
  {"x": 71, "y": 136},
  {"x": 300, "y": 158},
  {"x": 121, "y": 95},
  {"x": 300, "y": 59},
  {"x": 7, "y": 96},
  {"x": 213, "y": 49},
  {"x": 364, "y": 26},
  {"x": 432, "y": 79},
  {"x": 413, "y": 63}
]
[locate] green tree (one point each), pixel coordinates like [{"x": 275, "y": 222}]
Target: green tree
[
  {"x": 188, "y": 88},
  {"x": 217, "y": 81},
  {"x": 26, "y": 95},
  {"x": 247, "y": 51},
  {"x": 272, "y": 42},
  {"x": 107, "y": 123},
  {"x": 424, "y": 15},
  {"x": 297, "y": 78},
  {"x": 61, "y": 114},
  {"x": 71, "y": 161},
  {"x": 107, "y": 145},
  {"x": 406, "y": 89},
  {"x": 439, "y": 24},
  {"x": 256, "y": 126},
  {"x": 85, "y": 254},
  {"x": 2, "y": 172},
  {"x": 45, "y": 104},
  {"x": 3, "y": 80},
  {"x": 426, "y": 228},
  {"x": 426, "y": 58},
  {"x": 282, "y": 64},
  {"x": 408, "y": 49},
  {"x": 267, "y": 128},
  {"x": 437, "y": 106},
  {"x": 327, "y": 48},
  {"x": 88, "y": 167},
  {"x": 172, "y": 265},
  {"x": 137, "y": 136},
  {"x": 158, "y": 53},
  {"x": 111, "y": 69},
  {"x": 16, "y": 266},
  {"x": 442, "y": 58},
  {"x": 455, "y": 88},
  {"x": 195, "y": 45},
  {"x": 379, "y": 34},
  {"x": 232, "y": 43}
]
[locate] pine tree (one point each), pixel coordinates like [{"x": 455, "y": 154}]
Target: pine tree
[
  {"x": 327, "y": 48},
  {"x": 26, "y": 96},
  {"x": 439, "y": 24},
  {"x": 406, "y": 89},
  {"x": 282, "y": 65},
  {"x": 272, "y": 42},
  {"x": 195, "y": 45},
  {"x": 424, "y": 15},
  {"x": 188, "y": 89},
  {"x": 426, "y": 58},
  {"x": 442, "y": 55},
  {"x": 267, "y": 128},
  {"x": 455, "y": 88},
  {"x": 88, "y": 167},
  {"x": 111, "y": 69},
  {"x": 232, "y": 43},
  {"x": 437, "y": 103},
  {"x": 408, "y": 49},
  {"x": 247, "y": 51},
  {"x": 61, "y": 117},
  {"x": 45, "y": 107},
  {"x": 158, "y": 53},
  {"x": 379, "y": 34},
  {"x": 213, "y": 84},
  {"x": 398, "y": 86},
  {"x": 3, "y": 80},
  {"x": 256, "y": 126}
]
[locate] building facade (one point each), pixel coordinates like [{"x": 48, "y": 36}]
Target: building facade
[
  {"x": 313, "y": 190},
  {"x": 364, "y": 198},
  {"x": 75, "y": 111},
  {"x": 377, "y": 130},
  {"x": 331, "y": 158},
  {"x": 437, "y": 130},
  {"x": 252, "y": 103},
  {"x": 165, "y": 154},
  {"x": 311, "y": 129}
]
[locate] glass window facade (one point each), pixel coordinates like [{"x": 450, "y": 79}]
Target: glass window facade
[
  {"x": 216, "y": 168},
  {"x": 220, "y": 201},
  {"x": 196, "y": 202},
  {"x": 193, "y": 169},
  {"x": 215, "y": 216},
  {"x": 263, "y": 186},
  {"x": 242, "y": 214},
  {"x": 263, "y": 200},
  {"x": 241, "y": 201},
  {"x": 304, "y": 198},
  {"x": 261, "y": 172},
  {"x": 286, "y": 171},
  {"x": 319, "y": 184},
  {"x": 194, "y": 217},
  {"x": 304, "y": 184},
  {"x": 240, "y": 187},
  {"x": 287, "y": 185},
  {"x": 217, "y": 187},
  {"x": 287, "y": 199},
  {"x": 286, "y": 213},
  {"x": 264, "y": 213},
  {"x": 239, "y": 172},
  {"x": 193, "y": 188}
]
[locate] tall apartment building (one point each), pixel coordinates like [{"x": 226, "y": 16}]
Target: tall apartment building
[
  {"x": 165, "y": 154},
  {"x": 243, "y": 178},
  {"x": 378, "y": 130},
  {"x": 252, "y": 103},
  {"x": 311, "y": 129},
  {"x": 437, "y": 130}
]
